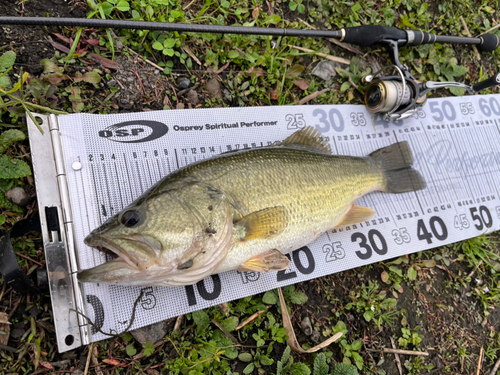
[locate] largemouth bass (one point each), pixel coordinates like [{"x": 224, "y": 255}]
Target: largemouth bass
[{"x": 244, "y": 210}]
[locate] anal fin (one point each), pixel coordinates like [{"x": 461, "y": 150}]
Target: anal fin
[
  {"x": 356, "y": 214},
  {"x": 271, "y": 260}
]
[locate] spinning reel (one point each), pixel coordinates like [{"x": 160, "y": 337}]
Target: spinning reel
[{"x": 400, "y": 96}]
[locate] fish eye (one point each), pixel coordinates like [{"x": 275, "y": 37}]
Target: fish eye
[{"x": 130, "y": 219}]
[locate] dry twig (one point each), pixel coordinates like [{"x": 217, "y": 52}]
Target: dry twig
[
  {"x": 95, "y": 362},
  {"x": 487, "y": 31},
  {"x": 475, "y": 268},
  {"x": 88, "y": 359},
  {"x": 346, "y": 46},
  {"x": 321, "y": 54},
  {"x": 292, "y": 340},
  {"x": 312, "y": 96},
  {"x": 478, "y": 56},
  {"x": 250, "y": 319},
  {"x": 407, "y": 352},
  {"x": 479, "y": 361},
  {"x": 495, "y": 368},
  {"x": 178, "y": 322},
  {"x": 193, "y": 56},
  {"x": 396, "y": 355},
  {"x": 228, "y": 335},
  {"x": 146, "y": 60}
]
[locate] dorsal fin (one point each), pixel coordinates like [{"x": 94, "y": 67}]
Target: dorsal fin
[{"x": 309, "y": 138}]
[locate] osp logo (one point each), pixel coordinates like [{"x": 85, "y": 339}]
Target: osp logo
[{"x": 134, "y": 131}]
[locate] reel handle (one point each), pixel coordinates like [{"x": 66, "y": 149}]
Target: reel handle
[{"x": 487, "y": 83}]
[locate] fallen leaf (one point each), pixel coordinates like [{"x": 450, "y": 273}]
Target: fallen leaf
[
  {"x": 429, "y": 263},
  {"x": 58, "y": 46},
  {"x": 114, "y": 362},
  {"x": 303, "y": 84},
  {"x": 255, "y": 13},
  {"x": 89, "y": 77},
  {"x": 274, "y": 94},
  {"x": 224, "y": 67},
  {"x": 259, "y": 72},
  {"x": 384, "y": 276},
  {"x": 104, "y": 61},
  {"x": 94, "y": 42},
  {"x": 46, "y": 365},
  {"x": 63, "y": 38},
  {"x": 294, "y": 71},
  {"x": 56, "y": 79}
]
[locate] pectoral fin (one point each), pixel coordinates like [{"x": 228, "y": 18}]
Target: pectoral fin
[
  {"x": 271, "y": 260},
  {"x": 265, "y": 223},
  {"x": 356, "y": 214}
]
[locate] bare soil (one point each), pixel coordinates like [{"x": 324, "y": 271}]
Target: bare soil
[{"x": 447, "y": 312}]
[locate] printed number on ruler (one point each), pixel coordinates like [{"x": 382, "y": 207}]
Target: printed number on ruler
[
  {"x": 467, "y": 108},
  {"x": 358, "y": 119},
  {"x": 438, "y": 230},
  {"x": 333, "y": 119},
  {"x": 295, "y": 121},
  {"x": 303, "y": 269},
  {"x": 401, "y": 236},
  {"x": 148, "y": 300},
  {"x": 202, "y": 291},
  {"x": 378, "y": 120},
  {"x": 461, "y": 222},
  {"x": 443, "y": 110},
  {"x": 334, "y": 251},
  {"x": 375, "y": 242},
  {"x": 489, "y": 106},
  {"x": 481, "y": 217}
]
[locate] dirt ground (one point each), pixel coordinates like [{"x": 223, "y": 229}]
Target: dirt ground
[{"x": 452, "y": 322}]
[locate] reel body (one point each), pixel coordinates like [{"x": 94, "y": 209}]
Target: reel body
[
  {"x": 400, "y": 96},
  {"x": 393, "y": 96}
]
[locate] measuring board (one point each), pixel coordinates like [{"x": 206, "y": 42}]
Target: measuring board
[{"x": 88, "y": 167}]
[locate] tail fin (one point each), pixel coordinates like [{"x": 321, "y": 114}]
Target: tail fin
[{"x": 395, "y": 162}]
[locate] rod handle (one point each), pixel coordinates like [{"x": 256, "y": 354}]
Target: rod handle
[
  {"x": 369, "y": 35},
  {"x": 487, "y": 83},
  {"x": 417, "y": 37}
]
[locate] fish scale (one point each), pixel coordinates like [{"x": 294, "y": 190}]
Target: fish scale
[
  {"x": 244, "y": 210},
  {"x": 316, "y": 189}
]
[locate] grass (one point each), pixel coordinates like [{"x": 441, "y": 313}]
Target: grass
[{"x": 444, "y": 300}]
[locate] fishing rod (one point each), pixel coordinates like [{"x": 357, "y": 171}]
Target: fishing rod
[{"x": 395, "y": 97}]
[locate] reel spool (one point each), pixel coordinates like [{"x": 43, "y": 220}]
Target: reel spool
[{"x": 397, "y": 97}]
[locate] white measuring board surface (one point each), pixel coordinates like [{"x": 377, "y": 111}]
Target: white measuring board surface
[{"x": 456, "y": 145}]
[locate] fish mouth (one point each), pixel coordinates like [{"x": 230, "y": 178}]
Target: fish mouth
[
  {"x": 127, "y": 267},
  {"x": 109, "y": 247}
]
